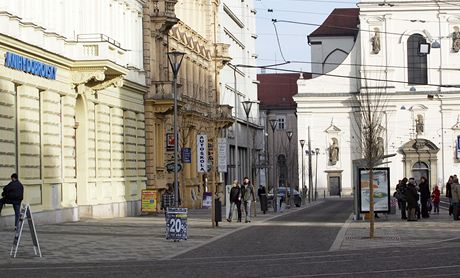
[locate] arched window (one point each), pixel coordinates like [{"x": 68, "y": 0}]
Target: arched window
[{"x": 416, "y": 62}]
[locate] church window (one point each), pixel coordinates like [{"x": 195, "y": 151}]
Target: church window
[{"x": 416, "y": 61}]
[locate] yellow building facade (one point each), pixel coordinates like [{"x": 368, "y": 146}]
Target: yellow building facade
[
  {"x": 71, "y": 119},
  {"x": 189, "y": 27}
]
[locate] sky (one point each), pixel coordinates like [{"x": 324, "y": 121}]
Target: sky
[{"x": 292, "y": 37}]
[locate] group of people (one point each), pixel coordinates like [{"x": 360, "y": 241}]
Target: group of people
[
  {"x": 415, "y": 200},
  {"x": 453, "y": 194},
  {"x": 241, "y": 195}
]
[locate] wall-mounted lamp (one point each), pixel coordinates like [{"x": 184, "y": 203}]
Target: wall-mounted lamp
[{"x": 435, "y": 44}]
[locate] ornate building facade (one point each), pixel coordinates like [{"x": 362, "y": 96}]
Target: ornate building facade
[
  {"x": 71, "y": 106},
  {"x": 239, "y": 87},
  {"x": 407, "y": 52},
  {"x": 190, "y": 27}
]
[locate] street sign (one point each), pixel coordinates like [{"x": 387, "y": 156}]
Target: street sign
[
  {"x": 176, "y": 224},
  {"x": 170, "y": 167},
  {"x": 186, "y": 155}
]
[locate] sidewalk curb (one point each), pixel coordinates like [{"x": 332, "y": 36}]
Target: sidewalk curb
[{"x": 337, "y": 244}]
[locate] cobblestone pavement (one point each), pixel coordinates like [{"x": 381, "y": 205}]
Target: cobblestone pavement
[
  {"x": 391, "y": 230},
  {"x": 143, "y": 237},
  {"x": 128, "y": 238}
]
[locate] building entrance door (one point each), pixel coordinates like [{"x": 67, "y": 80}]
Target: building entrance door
[
  {"x": 334, "y": 186},
  {"x": 420, "y": 169},
  {"x": 420, "y": 160}
]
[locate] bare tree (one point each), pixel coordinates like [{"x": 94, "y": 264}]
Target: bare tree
[{"x": 370, "y": 105}]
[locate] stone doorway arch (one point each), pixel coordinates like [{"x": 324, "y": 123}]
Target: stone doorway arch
[{"x": 420, "y": 158}]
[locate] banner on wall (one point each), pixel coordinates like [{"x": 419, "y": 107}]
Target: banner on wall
[
  {"x": 458, "y": 147},
  {"x": 222, "y": 155},
  {"x": 202, "y": 153}
]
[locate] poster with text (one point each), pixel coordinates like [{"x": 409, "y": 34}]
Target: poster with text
[
  {"x": 381, "y": 185},
  {"x": 202, "y": 153}
]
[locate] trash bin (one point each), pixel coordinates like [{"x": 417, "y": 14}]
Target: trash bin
[{"x": 217, "y": 211}]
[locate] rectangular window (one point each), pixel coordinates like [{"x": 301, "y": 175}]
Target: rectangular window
[{"x": 281, "y": 125}]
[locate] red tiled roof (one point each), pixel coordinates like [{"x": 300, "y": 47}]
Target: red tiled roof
[
  {"x": 341, "y": 22},
  {"x": 275, "y": 90}
]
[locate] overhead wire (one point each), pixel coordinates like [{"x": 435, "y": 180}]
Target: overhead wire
[{"x": 350, "y": 77}]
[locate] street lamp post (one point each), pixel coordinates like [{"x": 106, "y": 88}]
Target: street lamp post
[
  {"x": 316, "y": 172},
  {"x": 289, "y": 174},
  {"x": 273, "y": 123},
  {"x": 310, "y": 176},
  {"x": 302, "y": 143},
  {"x": 175, "y": 60},
  {"x": 247, "y": 104}
]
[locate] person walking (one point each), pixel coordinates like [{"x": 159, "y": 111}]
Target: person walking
[
  {"x": 13, "y": 193},
  {"x": 248, "y": 198},
  {"x": 424, "y": 190},
  {"x": 235, "y": 200},
  {"x": 436, "y": 198},
  {"x": 449, "y": 193},
  {"x": 455, "y": 197},
  {"x": 262, "y": 193}
]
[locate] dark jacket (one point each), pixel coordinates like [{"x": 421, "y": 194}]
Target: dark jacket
[
  {"x": 14, "y": 191},
  {"x": 449, "y": 190},
  {"x": 424, "y": 191},
  {"x": 235, "y": 194},
  {"x": 411, "y": 196}
]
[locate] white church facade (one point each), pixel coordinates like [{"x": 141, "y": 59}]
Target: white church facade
[{"x": 406, "y": 51}]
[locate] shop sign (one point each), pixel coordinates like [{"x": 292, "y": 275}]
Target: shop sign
[
  {"x": 202, "y": 156},
  {"x": 31, "y": 66}
]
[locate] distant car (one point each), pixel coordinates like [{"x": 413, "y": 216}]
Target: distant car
[{"x": 282, "y": 194}]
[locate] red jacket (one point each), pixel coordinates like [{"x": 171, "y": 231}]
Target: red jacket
[{"x": 435, "y": 196}]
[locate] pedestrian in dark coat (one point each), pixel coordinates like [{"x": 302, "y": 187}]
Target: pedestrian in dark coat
[
  {"x": 402, "y": 190},
  {"x": 262, "y": 193},
  {"x": 449, "y": 193},
  {"x": 424, "y": 196},
  {"x": 412, "y": 201},
  {"x": 235, "y": 200},
  {"x": 13, "y": 193}
]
